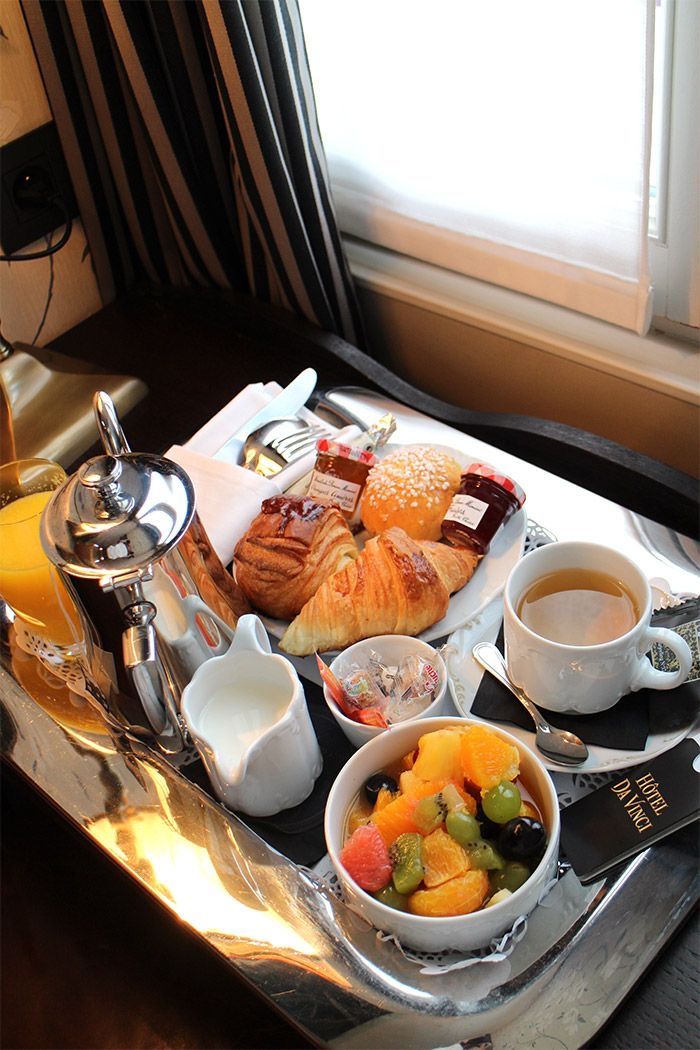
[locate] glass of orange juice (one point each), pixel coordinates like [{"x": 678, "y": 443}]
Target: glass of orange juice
[{"x": 29, "y": 583}]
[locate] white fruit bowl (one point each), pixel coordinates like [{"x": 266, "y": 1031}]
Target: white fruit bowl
[
  {"x": 392, "y": 648},
  {"x": 461, "y": 932}
]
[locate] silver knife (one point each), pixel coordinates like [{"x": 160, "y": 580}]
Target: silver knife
[{"x": 286, "y": 403}]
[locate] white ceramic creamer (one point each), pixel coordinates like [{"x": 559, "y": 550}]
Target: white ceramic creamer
[{"x": 247, "y": 715}]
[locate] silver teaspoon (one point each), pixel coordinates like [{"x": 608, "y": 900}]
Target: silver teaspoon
[{"x": 557, "y": 744}]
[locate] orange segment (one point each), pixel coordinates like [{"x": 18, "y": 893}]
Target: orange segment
[
  {"x": 384, "y": 797},
  {"x": 458, "y": 896},
  {"x": 442, "y": 857},
  {"x": 486, "y": 758},
  {"x": 408, "y": 760},
  {"x": 527, "y": 809},
  {"x": 395, "y": 819},
  {"x": 359, "y": 814},
  {"x": 439, "y": 756}
]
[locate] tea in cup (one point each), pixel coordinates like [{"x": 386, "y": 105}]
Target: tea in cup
[{"x": 576, "y": 629}]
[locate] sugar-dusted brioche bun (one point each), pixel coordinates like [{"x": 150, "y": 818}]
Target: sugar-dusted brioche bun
[{"x": 410, "y": 489}]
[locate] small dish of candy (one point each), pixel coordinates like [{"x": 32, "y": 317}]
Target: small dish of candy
[
  {"x": 382, "y": 682},
  {"x": 443, "y": 832}
]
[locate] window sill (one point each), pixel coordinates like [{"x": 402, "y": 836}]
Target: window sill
[{"x": 664, "y": 364}]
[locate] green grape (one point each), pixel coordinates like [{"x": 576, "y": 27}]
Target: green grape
[
  {"x": 502, "y": 802},
  {"x": 511, "y": 877},
  {"x": 463, "y": 827},
  {"x": 485, "y": 856},
  {"x": 392, "y": 898}
]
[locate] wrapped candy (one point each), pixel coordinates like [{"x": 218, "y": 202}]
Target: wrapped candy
[{"x": 376, "y": 693}]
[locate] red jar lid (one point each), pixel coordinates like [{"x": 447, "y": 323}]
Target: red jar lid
[
  {"x": 335, "y": 448},
  {"x": 485, "y": 470}
]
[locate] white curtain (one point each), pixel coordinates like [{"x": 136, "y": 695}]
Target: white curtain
[{"x": 505, "y": 139}]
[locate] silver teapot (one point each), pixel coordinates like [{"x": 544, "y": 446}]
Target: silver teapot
[{"x": 153, "y": 597}]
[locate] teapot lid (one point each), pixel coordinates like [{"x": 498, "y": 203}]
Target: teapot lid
[{"x": 117, "y": 514}]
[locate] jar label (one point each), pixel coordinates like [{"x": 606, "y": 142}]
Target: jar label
[
  {"x": 328, "y": 489},
  {"x": 467, "y": 510}
]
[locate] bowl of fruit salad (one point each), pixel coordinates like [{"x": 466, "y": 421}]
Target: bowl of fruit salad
[{"x": 442, "y": 832}]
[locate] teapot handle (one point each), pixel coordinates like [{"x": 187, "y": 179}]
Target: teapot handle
[
  {"x": 250, "y": 634},
  {"x": 113, "y": 437}
]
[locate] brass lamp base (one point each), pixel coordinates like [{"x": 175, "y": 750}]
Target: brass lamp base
[{"x": 47, "y": 403}]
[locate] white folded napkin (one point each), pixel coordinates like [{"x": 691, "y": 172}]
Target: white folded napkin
[
  {"x": 214, "y": 434},
  {"x": 229, "y": 496}
]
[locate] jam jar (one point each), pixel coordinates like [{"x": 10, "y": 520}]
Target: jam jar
[
  {"x": 339, "y": 477},
  {"x": 484, "y": 501}
]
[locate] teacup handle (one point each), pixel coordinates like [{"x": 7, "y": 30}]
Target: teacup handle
[{"x": 648, "y": 677}]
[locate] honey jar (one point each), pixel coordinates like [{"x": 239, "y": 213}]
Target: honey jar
[{"x": 483, "y": 503}]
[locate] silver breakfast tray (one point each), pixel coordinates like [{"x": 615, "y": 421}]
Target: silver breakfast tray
[{"x": 283, "y": 929}]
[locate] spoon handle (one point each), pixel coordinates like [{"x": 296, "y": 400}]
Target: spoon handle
[{"x": 490, "y": 658}]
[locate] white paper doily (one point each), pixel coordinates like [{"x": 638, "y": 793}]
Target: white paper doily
[{"x": 69, "y": 670}]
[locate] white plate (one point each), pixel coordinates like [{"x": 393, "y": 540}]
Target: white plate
[
  {"x": 486, "y": 582},
  {"x": 464, "y": 678}
]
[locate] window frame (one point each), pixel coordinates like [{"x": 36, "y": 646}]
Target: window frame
[{"x": 674, "y": 253}]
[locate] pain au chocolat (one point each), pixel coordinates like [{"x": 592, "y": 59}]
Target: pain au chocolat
[
  {"x": 290, "y": 548},
  {"x": 396, "y": 586}
]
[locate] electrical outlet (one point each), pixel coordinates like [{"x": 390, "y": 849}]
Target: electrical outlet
[{"x": 32, "y": 168}]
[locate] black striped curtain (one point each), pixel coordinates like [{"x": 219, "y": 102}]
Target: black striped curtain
[{"x": 190, "y": 132}]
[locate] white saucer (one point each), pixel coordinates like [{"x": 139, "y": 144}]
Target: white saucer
[{"x": 464, "y": 678}]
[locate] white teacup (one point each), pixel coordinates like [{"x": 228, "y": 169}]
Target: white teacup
[{"x": 583, "y": 678}]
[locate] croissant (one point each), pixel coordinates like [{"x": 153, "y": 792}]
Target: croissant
[
  {"x": 396, "y": 586},
  {"x": 290, "y": 548}
]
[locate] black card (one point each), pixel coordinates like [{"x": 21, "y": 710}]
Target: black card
[{"x": 639, "y": 807}]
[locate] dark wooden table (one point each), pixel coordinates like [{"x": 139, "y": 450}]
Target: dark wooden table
[{"x": 88, "y": 960}]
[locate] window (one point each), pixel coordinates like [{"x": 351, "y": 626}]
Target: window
[{"x": 507, "y": 141}]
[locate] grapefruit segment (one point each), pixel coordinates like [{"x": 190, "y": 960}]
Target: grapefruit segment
[{"x": 366, "y": 858}]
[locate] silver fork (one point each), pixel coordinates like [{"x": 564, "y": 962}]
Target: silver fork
[
  {"x": 296, "y": 444},
  {"x": 274, "y": 445}
]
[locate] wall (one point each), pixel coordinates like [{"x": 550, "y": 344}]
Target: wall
[
  {"x": 478, "y": 369},
  {"x": 62, "y": 287}
]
